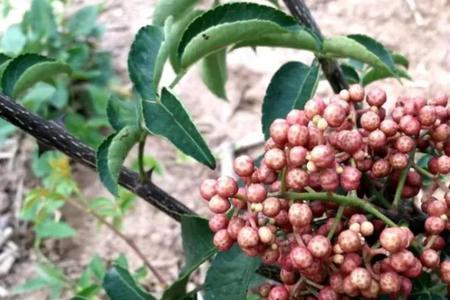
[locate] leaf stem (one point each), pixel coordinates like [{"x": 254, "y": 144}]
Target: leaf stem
[
  {"x": 423, "y": 172},
  {"x": 177, "y": 79},
  {"x": 127, "y": 240},
  {"x": 336, "y": 221},
  {"x": 402, "y": 179},
  {"x": 141, "y": 150},
  {"x": 342, "y": 200}
]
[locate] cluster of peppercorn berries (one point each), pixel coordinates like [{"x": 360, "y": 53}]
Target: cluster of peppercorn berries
[{"x": 326, "y": 251}]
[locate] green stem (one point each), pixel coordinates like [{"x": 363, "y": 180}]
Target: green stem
[
  {"x": 142, "y": 173},
  {"x": 337, "y": 219},
  {"x": 342, "y": 200},
  {"x": 402, "y": 179},
  {"x": 177, "y": 79},
  {"x": 423, "y": 172},
  {"x": 283, "y": 180}
]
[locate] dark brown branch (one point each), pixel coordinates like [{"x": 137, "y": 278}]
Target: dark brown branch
[
  {"x": 53, "y": 135},
  {"x": 330, "y": 67}
]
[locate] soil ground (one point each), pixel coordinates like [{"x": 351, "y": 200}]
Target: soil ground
[{"x": 421, "y": 33}]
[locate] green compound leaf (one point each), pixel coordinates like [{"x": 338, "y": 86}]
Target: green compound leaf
[
  {"x": 291, "y": 86},
  {"x": 170, "y": 119},
  {"x": 232, "y": 23},
  {"x": 52, "y": 229},
  {"x": 374, "y": 74},
  {"x": 112, "y": 153},
  {"x": 350, "y": 74},
  {"x": 428, "y": 288},
  {"x": 42, "y": 20},
  {"x": 214, "y": 73},
  {"x": 83, "y": 22},
  {"x": 121, "y": 113},
  {"x": 120, "y": 285},
  {"x": 230, "y": 275},
  {"x": 362, "y": 48},
  {"x": 143, "y": 60},
  {"x": 25, "y": 70},
  {"x": 198, "y": 247},
  {"x": 400, "y": 59},
  {"x": 175, "y": 8}
]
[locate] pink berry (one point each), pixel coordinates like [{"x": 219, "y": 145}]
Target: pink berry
[
  {"x": 297, "y": 179},
  {"x": 440, "y": 133},
  {"x": 350, "y": 141},
  {"x": 350, "y": 178},
  {"x": 271, "y": 206},
  {"x": 377, "y": 139},
  {"x": 398, "y": 160},
  {"x": 349, "y": 241},
  {"x": 427, "y": 115},
  {"x": 278, "y": 292},
  {"x": 319, "y": 246},
  {"x": 266, "y": 235},
  {"x": 443, "y": 164},
  {"x": 219, "y": 205},
  {"x": 404, "y": 144},
  {"x": 243, "y": 166},
  {"x": 278, "y": 131},
  {"x": 430, "y": 258},
  {"x": 226, "y": 187},
  {"x": 275, "y": 159},
  {"x": 234, "y": 226},
  {"x": 381, "y": 168},
  {"x": 356, "y": 92},
  {"x": 218, "y": 222},
  {"x": 300, "y": 215},
  {"x": 334, "y": 115},
  {"x": 360, "y": 278},
  {"x": 376, "y": 97},
  {"x": 247, "y": 237},
  {"x": 409, "y": 125},
  {"x": 256, "y": 193},
  {"x": 297, "y": 156},
  {"x": 322, "y": 156},
  {"x": 370, "y": 120},
  {"x": 391, "y": 239},
  {"x": 301, "y": 257},
  {"x": 222, "y": 240},
  {"x": 390, "y": 282},
  {"x": 434, "y": 225},
  {"x": 298, "y": 135},
  {"x": 402, "y": 260},
  {"x": 329, "y": 180},
  {"x": 389, "y": 127},
  {"x": 208, "y": 189},
  {"x": 296, "y": 116}
]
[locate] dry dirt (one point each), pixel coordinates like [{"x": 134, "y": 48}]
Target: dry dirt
[{"x": 421, "y": 33}]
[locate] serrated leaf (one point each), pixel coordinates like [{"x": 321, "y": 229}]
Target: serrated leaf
[
  {"x": 360, "y": 47},
  {"x": 350, "y": 74},
  {"x": 120, "y": 285},
  {"x": 83, "y": 22},
  {"x": 176, "y": 32},
  {"x": 112, "y": 153},
  {"x": 400, "y": 59},
  {"x": 374, "y": 74},
  {"x": 142, "y": 60},
  {"x": 41, "y": 18},
  {"x": 291, "y": 86},
  {"x": 175, "y": 8},
  {"x": 121, "y": 113},
  {"x": 27, "y": 69},
  {"x": 229, "y": 24},
  {"x": 214, "y": 73},
  {"x": 230, "y": 275},
  {"x": 52, "y": 229},
  {"x": 169, "y": 118},
  {"x": 13, "y": 40},
  {"x": 197, "y": 246}
]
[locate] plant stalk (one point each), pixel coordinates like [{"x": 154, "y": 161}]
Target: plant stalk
[
  {"x": 402, "y": 180},
  {"x": 342, "y": 200}
]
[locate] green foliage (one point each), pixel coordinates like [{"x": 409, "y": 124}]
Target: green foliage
[
  {"x": 112, "y": 153},
  {"x": 232, "y": 23},
  {"x": 428, "y": 287},
  {"x": 230, "y": 275},
  {"x": 291, "y": 86},
  {"x": 198, "y": 247},
  {"x": 167, "y": 117},
  {"x": 175, "y": 8},
  {"x": 214, "y": 73},
  {"x": 119, "y": 284}
]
